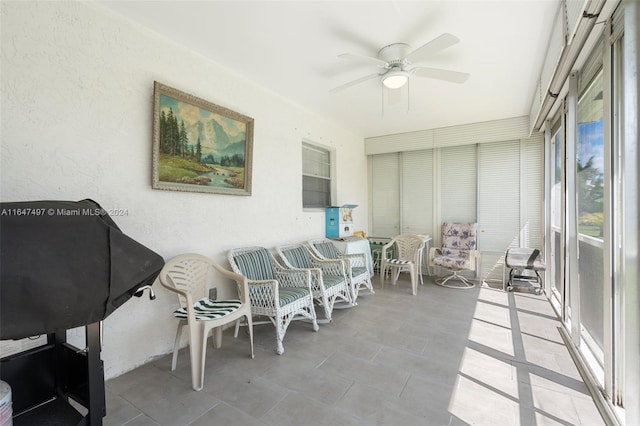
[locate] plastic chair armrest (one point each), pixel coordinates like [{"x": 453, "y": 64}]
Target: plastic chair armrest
[{"x": 241, "y": 282}]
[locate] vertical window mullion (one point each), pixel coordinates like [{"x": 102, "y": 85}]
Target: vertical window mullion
[{"x": 571, "y": 241}]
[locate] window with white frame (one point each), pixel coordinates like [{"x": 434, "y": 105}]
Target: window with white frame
[{"x": 316, "y": 176}]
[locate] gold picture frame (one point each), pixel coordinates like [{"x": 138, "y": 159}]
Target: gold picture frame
[{"x": 199, "y": 146}]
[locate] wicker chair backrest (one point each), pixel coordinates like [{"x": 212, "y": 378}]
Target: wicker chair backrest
[
  {"x": 256, "y": 265},
  {"x": 327, "y": 250},
  {"x": 298, "y": 257}
]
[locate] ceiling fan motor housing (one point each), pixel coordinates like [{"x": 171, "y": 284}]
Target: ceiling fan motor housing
[
  {"x": 394, "y": 54},
  {"x": 395, "y": 63}
]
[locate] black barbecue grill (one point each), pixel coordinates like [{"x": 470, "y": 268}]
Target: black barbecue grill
[{"x": 63, "y": 265}]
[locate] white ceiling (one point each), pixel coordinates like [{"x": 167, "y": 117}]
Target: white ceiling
[{"x": 293, "y": 47}]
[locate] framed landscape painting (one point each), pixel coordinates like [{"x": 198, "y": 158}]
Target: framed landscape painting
[{"x": 199, "y": 146}]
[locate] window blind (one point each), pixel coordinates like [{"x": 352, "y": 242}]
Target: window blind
[
  {"x": 417, "y": 192},
  {"x": 385, "y": 195},
  {"x": 458, "y": 173}
]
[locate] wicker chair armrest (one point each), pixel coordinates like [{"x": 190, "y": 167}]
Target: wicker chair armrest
[
  {"x": 315, "y": 275},
  {"x": 355, "y": 259},
  {"x": 294, "y": 277},
  {"x": 263, "y": 293},
  {"x": 330, "y": 267}
]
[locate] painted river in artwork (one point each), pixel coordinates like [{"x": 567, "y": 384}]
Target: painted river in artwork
[{"x": 217, "y": 178}]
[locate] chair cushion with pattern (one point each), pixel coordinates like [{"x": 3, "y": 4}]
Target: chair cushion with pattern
[
  {"x": 291, "y": 294},
  {"x": 332, "y": 280},
  {"x": 256, "y": 265},
  {"x": 356, "y": 271},
  {"x": 454, "y": 253},
  {"x": 459, "y": 236},
  {"x": 298, "y": 257},
  {"x": 207, "y": 309},
  {"x": 452, "y": 262},
  {"x": 400, "y": 262},
  {"x": 327, "y": 249}
]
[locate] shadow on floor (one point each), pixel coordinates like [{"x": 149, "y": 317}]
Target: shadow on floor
[{"x": 444, "y": 357}]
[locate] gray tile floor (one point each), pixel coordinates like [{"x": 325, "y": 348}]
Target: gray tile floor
[{"x": 443, "y": 357}]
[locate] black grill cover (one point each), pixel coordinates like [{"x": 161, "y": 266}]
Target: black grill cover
[{"x": 65, "y": 264}]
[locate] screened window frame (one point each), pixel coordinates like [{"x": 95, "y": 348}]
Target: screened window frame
[{"x": 325, "y": 172}]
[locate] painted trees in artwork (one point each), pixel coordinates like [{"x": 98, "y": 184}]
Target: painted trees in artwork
[
  {"x": 174, "y": 141},
  {"x": 173, "y": 137}
]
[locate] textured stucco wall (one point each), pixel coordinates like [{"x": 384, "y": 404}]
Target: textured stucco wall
[{"x": 77, "y": 98}]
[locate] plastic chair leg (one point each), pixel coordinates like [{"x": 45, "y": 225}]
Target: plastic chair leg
[
  {"x": 176, "y": 346},
  {"x": 197, "y": 350},
  {"x": 235, "y": 333},
  {"x": 414, "y": 280},
  {"x": 217, "y": 343}
]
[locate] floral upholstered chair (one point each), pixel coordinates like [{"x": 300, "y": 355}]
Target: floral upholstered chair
[{"x": 458, "y": 252}]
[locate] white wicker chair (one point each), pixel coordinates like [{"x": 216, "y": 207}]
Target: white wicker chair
[
  {"x": 355, "y": 265},
  {"x": 328, "y": 280},
  {"x": 407, "y": 256},
  {"x": 187, "y": 275},
  {"x": 275, "y": 292}
]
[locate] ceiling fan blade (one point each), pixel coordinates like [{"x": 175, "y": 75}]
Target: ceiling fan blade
[
  {"x": 363, "y": 58},
  {"x": 441, "y": 42},
  {"x": 354, "y": 82},
  {"x": 440, "y": 74}
]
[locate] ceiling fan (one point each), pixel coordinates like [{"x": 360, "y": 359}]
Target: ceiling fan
[{"x": 396, "y": 62}]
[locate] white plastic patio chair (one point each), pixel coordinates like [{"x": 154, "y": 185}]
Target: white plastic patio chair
[
  {"x": 187, "y": 275},
  {"x": 407, "y": 257}
]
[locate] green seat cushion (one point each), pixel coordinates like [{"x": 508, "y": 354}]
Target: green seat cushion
[
  {"x": 291, "y": 294},
  {"x": 331, "y": 280},
  {"x": 358, "y": 270}
]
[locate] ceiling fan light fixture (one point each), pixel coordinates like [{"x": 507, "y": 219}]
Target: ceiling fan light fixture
[{"x": 395, "y": 79}]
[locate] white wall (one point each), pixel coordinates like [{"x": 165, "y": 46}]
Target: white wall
[{"x": 77, "y": 98}]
